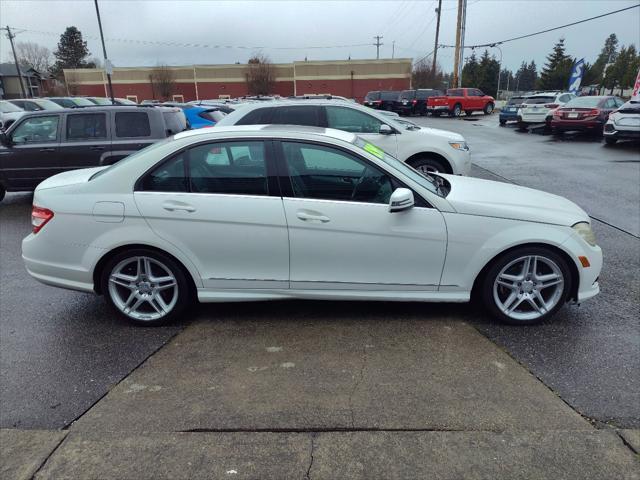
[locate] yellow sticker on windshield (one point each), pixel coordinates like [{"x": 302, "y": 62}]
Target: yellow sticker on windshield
[{"x": 373, "y": 150}]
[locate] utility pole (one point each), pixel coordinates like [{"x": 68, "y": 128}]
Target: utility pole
[
  {"x": 462, "y": 32},
  {"x": 435, "y": 48},
  {"x": 15, "y": 59},
  {"x": 393, "y": 49},
  {"x": 107, "y": 64},
  {"x": 378, "y": 44},
  {"x": 456, "y": 56}
]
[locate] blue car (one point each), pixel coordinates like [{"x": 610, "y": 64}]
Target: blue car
[
  {"x": 199, "y": 116},
  {"x": 509, "y": 113}
]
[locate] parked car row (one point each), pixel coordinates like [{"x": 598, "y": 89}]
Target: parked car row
[{"x": 560, "y": 112}]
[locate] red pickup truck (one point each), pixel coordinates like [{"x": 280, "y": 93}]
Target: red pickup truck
[{"x": 458, "y": 100}]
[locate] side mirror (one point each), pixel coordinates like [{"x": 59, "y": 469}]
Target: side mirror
[
  {"x": 401, "y": 199},
  {"x": 4, "y": 140},
  {"x": 386, "y": 129}
]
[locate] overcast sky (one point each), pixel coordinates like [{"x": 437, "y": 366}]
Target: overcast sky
[{"x": 288, "y": 29}]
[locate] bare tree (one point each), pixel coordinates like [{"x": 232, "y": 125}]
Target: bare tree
[
  {"x": 163, "y": 81},
  {"x": 424, "y": 76},
  {"x": 72, "y": 83},
  {"x": 32, "y": 55},
  {"x": 261, "y": 75}
]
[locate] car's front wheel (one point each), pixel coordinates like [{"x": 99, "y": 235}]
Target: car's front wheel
[
  {"x": 429, "y": 165},
  {"x": 610, "y": 140},
  {"x": 488, "y": 108},
  {"x": 526, "y": 286},
  {"x": 457, "y": 110},
  {"x": 145, "y": 286}
]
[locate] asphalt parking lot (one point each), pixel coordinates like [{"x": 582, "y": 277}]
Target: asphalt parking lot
[{"x": 302, "y": 366}]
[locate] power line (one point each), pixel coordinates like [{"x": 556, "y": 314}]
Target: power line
[
  {"x": 544, "y": 31},
  {"x": 200, "y": 45}
]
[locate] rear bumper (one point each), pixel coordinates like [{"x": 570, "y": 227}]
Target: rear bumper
[
  {"x": 437, "y": 108},
  {"x": 57, "y": 276},
  {"x": 576, "y": 124},
  {"x": 508, "y": 116},
  {"x": 613, "y": 131}
]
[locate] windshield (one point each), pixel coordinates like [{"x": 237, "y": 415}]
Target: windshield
[
  {"x": 539, "y": 100},
  {"x": 591, "y": 102},
  {"x": 48, "y": 104},
  {"x": 82, "y": 102},
  {"x": 631, "y": 106},
  {"x": 6, "y": 107},
  {"x": 132, "y": 157},
  {"x": 394, "y": 163},
  {"x": 100, "y": 101}
]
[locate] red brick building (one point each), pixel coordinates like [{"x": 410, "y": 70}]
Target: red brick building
[{"x": 348, "y": 78}]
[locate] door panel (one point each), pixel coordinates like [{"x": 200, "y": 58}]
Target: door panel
[
  {"x": 86, "y": 140},
  {"x": 35, "y": 155},
  {"x": 362, "y": 246},
  {"x": 212, "y": 202}
]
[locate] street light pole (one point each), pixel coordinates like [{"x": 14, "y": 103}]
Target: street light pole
[
  {"x": 107, "y": 65},
  {"x": 499, "y": 69}
]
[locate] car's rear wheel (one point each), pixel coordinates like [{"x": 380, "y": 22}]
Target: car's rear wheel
[
  {"x": 488, "y": 108},
  {"x": 610, "y": 140},
  {"x": 429, "y": 165},
  {"x": 503, "y": 122},
  {"x": 145, "y": 286},
  {"x": 2, "y": 192},
  {"x": 526, "y": 286}
]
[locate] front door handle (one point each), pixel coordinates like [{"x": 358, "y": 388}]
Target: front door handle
[
  {"x": 173, "y": 206},
  {"x": 312, "y": 217},
  {"x": 47, "y": 149}
]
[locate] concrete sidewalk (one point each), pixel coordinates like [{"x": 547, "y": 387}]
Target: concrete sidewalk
[{"x": 309, "y": 395}]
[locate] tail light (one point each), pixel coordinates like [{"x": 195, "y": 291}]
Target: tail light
[
  {"x": 39, "y": 217},
  {"x": 557, "y": 114},
  {"x": 377, "y": 101},
  {"x": 414, "y": 101},
  {"x": 594, "y": 112},
  {"x": 551, "y": 105}
]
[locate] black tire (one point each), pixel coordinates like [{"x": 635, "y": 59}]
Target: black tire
[
  {"x": 488, "y": 108},
  {"x": 557, "y": 132},
  {"x": 468, "y": 113},
  {"x": 610, "y": 140},
  {"x": 2, "y": 192},
  {"x": 503, "y": 122},
  {"x": 522, "y": 126},
  {"x": 184, "y": 293},
  {"x": 487, "y": 285},
  {"x": 435, "y": 114},
  {"x": 457, "y": 110},
  {"x": 429, "y": 163}
]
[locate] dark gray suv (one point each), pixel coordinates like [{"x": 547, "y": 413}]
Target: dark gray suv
[{"x": 42, "y": 144}]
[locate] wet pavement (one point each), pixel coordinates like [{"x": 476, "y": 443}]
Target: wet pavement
[{"x": 62, "y": 351}]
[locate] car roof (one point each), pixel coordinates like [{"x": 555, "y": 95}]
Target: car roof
[
  {"x": 100, "y": 108},
  {"x": 267, "y": 130}
]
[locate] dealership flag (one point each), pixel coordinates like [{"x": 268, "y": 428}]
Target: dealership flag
[
  {"x": 576, "y": 76},
  {"x": 636, "y": 88}
]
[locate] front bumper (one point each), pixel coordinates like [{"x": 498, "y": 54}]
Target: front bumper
[{"x": 588, "y": 285}]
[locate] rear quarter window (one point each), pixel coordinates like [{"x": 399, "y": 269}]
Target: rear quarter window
[
  {"x": 132, "y": 124},
  {"x": 260, "y": 116},
  {"x": 174, "y": 122}
]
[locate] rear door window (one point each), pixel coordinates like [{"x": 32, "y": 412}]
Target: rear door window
[
  {"x": 259, "y": 116},
  {"x": 169, "y": 176},
  {"x": 408, "y": 95},
  {"x": 455, "y": 92},
  {"x": 304, "y": 115},
  {"x": 87, "y": 126},
  {"x": 132, "y": 124}
]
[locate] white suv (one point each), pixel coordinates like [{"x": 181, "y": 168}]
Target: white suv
[
  {"x": 426, "y": 149},
  {"x": 624, "y": 123},
  {"x": 537, "y": 107}
]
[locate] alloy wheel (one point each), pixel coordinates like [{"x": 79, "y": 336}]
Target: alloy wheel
[
  {"x": 143, "y": 288},
  {"x": 528, "y": 287}
]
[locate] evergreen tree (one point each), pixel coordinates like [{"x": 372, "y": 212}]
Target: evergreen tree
[
  {"x": 72, "y": 51},
  {"x": 488, "y": 74},
  {"x": 470, "y": 71},
  {"x": 628, "y": 78},
  {"x": 556, "y": 72},
  {"x": 622, "y": 72},
  {"x": 526, "y": 76},
  {"x": 607, "y": 55}
]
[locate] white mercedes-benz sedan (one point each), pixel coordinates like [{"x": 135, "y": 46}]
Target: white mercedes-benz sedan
[{"x": 274, "y": 212}]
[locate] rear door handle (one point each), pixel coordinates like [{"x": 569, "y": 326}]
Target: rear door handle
[
  {"x": 96, "y": 148},
  {"x": 312, "y": 217},
  {"x": 47, "y": 149},
  {"x": 172, "y": 206}
]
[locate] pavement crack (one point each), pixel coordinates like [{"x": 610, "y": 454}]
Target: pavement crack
[
  {"x": 626, "y": 443},
  {"x": 313, "y": 446},
  {"x": 44, "y": 462}
]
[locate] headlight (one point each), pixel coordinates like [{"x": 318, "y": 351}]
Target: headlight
[
  {"x": 459, "y": 145},
  {"x": 584, "y": 230}
]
